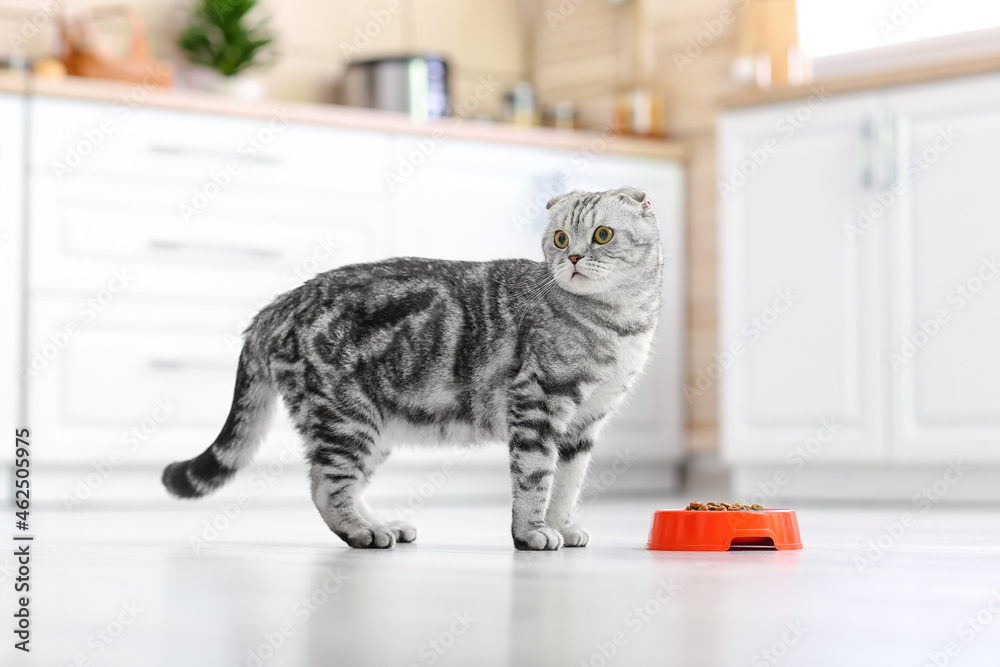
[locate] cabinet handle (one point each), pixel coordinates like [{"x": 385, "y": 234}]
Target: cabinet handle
[
  {"x": 865, "y": 157},
  {"x": 215, "y": 154},
  {"x": 178, "y": 246},
  {"x": 886, "y": 151}
]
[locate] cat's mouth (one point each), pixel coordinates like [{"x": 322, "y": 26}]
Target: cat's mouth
[{"x": 577, "y": 274}]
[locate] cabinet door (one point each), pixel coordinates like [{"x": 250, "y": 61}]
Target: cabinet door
[
  {"x": 466, "y": 200},
  {"x": 801, "y": 302},
  {"x": 248, "y": 246},
  {"x": 475, "y": 201},
  {"x": 945, "y": 337},
  {"x": 131, "y": 305},
  {"x": 150, "y": 380},
  {"x": 651, "y": 422}
]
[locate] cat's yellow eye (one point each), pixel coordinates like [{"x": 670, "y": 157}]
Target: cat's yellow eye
[
  {"x": 602, "y": 235},
  {"x": 561, "y": 239}
]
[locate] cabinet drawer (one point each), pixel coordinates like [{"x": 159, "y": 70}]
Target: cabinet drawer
[
  {"x": 70, "y": 137},
  {"x": 156, "y": 382},
  {"x": 81, "y": 234},
  {"x": 190, "y": 200}
]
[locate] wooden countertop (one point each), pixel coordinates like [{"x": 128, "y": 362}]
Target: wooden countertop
[
  {"x": 339, "y": 116},
  {"x": 887, "y": 79}
]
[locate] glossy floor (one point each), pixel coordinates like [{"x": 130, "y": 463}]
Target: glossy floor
[{"x": 274, "y": 588}]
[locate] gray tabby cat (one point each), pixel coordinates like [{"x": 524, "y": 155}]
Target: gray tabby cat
[{"x": 409, "y": 351}]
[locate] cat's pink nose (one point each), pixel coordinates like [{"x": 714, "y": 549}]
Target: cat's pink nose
[{"x": 574, "y": 258}]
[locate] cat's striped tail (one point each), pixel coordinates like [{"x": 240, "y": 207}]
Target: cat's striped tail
[{"x": 236, "y": 444}]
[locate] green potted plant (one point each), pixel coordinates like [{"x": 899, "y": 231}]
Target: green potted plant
[{"x": 221, "y": 38}]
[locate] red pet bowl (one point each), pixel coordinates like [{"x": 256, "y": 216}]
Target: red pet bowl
[{"x": 689, "y": 530}]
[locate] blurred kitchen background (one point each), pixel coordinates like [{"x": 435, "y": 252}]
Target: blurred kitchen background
[{"x": 825, "y": 176}]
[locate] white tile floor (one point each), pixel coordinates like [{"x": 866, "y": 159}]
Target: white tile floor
[{"x": 462, "y": 596}]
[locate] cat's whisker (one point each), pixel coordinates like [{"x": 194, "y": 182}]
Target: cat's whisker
[
  {"x": 536, "y": 296},
  {"x": 616, "y": 292},
  {"x": 633, "y": 279}
]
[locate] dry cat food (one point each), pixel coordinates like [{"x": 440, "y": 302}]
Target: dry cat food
[{"x": 723, "y": 507}]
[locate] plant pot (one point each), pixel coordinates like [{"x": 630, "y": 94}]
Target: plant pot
[{"x": 242, "y": 86}]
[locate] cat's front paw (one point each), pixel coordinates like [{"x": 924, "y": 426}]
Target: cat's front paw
[
  {"x": 374, "y": 537},
  {"x": 403, "y": 532},
  {"x": 538, "y": 539},
  {"x": 574, "y": 536}
]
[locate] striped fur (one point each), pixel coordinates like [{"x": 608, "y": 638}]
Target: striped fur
[{"x": 410, "y": 351}]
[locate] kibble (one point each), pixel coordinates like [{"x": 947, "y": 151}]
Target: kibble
[{"x": 723, "y": 507}]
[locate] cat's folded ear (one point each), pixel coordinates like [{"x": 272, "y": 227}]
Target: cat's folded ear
[
  {"x": 638, "y": 196},
  {"x": 558, "y": 198}
]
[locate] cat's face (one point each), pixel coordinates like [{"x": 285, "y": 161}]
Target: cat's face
[{"x": 602, "y": 242}]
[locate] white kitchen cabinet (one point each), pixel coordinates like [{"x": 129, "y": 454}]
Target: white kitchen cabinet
[
  {"x": 137, "y": 293},
  {"x": 464, "y": 202},
  {"x": 274, "y": 154},
  {"x": 945, "y": 287},
  {"x": 651, "y": 422},
  {"x": 86, "y": 228},
  {"x": 801, "y": 316},
  {"x": 132, "y": 363},
  {"x": 135, "y": 301},
  {"x": 478, "y": 201},
  {"x": 874, "y": 212}
]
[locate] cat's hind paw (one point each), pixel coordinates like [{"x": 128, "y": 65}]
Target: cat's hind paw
[
  {"x": 403, "y": 532},
  {"x": 538, "y": 539},
  {"x": 373, "y": 537},
  {"x": 574, "y": 536}
]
